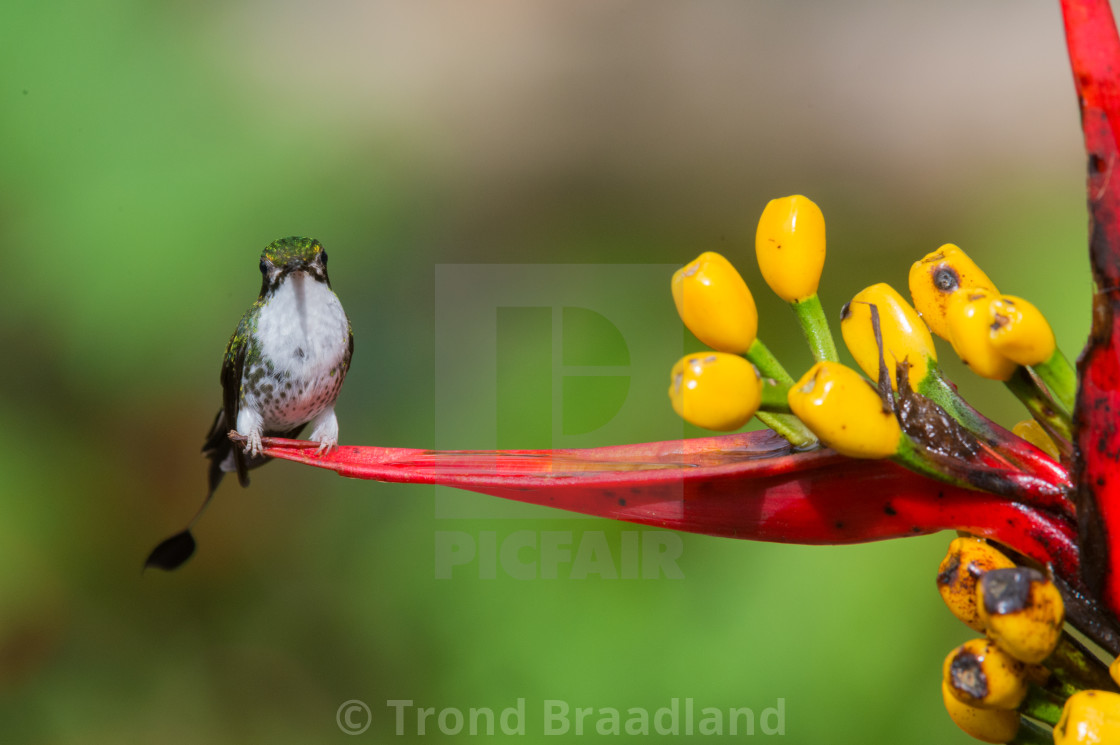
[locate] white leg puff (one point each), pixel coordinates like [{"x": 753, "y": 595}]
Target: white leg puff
[
  {"x": 250, "y": 424},
  {"x": 324, "y": 430}
]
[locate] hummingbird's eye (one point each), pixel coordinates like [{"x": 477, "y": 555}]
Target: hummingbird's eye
[
  {"x": 323, "y": 256},
  {"x": 264, "y": 266}
]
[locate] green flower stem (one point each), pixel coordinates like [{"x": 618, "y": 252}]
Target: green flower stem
[
  {"x": 762, "y": 358},
  {"x": 1075, "y": 669},
  {"x": 775, "y": 397},
  {"x": 791, "y": 428},
  {"x": 936, "y": 388},
  {"x": 778, "y": 419},
  {"x": 814, "y": 325},
  {"x": 1056, "y": 423},
  {"x": 911, "y": 455},
  {"x": 1060, "y": 377},
  {"x": 1041, "y": 705},
  {"x": 1032, "y": 733}
]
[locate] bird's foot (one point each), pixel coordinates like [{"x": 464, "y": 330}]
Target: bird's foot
[
  {"x": 253, "y": 444},
  {"x": 326, "y": 444},
  {"x": 325, "y": 431}
]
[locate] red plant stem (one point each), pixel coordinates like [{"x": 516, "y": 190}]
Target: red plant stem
[
  {"x": 1094, "y": 51},
  {"x": 746, "y": 486}
]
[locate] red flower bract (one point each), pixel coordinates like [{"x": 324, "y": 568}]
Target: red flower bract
[{"x": 747, "y": 485}]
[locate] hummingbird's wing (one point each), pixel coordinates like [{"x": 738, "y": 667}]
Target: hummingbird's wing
[
  {"x": 350, "y": 349},
  {"x": 217, "y": 448},
  {"x": 233, "y": 364}
]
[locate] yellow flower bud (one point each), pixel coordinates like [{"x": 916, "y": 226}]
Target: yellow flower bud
[
  {"x": 715, "y": 390},
  {"x": 967, "y": 560},
  {"x": 905, "y": 336},
  {"x": 936, "y": 277},
  {"x": 1019, "y": 331},
  {"x": 986, "y": 725},
  {"x": 1032, "y": 432},
  {"x": 1089, "y": 718},
  {"x": 981, "y": 674},
  {"x": 845, "y": 411},
  {"x": 716, "y": 304},
  {"x": 969, "y": 318},
  {"x": 1022, "y": 612},
  {"x": 790, "y": 247}
]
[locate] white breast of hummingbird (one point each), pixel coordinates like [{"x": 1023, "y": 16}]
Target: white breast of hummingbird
[{"x": 303, "y": 340}]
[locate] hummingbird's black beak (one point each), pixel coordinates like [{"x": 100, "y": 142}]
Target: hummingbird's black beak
[
  {"x": 298, "y": 265},
  {"x": 295, "y": 267}
]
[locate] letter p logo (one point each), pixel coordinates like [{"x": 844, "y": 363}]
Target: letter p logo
[{"x": 551, "y": 356}]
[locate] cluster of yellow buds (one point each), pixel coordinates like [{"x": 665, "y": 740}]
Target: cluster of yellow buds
[
  {"x": 715, "y": 304},
  {"x": 831, "y": 403},
  {"x": 993, "y": 334},
  {"x": 1025, "y": 680}
]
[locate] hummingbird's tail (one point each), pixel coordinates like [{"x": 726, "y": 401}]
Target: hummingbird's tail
[
  {"x": 224, "y": 458},
  {"x": 172, "y": 552}
]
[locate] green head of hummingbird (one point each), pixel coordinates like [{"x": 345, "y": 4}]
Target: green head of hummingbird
[{"x": 283, "y": 369}]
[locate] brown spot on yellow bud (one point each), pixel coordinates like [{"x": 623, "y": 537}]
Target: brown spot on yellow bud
[
  {"x": 966, "y": 674},
  {"x": 946, "y": 279},
  {"x": 1008, "y": 590}
]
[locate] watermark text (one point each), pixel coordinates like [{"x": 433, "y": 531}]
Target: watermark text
[{"x": 558, "y": 554}]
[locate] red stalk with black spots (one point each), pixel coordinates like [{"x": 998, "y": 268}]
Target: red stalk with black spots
[{"x": 1094, "y": 51}]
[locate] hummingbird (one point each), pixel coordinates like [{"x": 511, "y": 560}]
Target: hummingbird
[{"x": 282, "y": 370}]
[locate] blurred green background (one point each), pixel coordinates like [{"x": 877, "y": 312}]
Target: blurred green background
[{"x": 148, "y": 151}]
